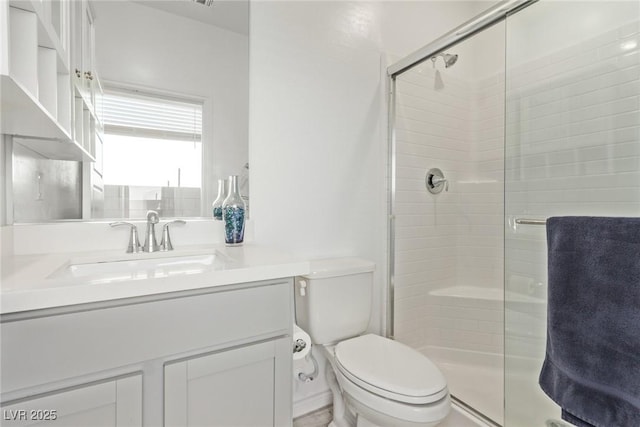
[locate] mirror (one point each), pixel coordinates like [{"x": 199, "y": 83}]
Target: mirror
[{"x": 175, "y": 75}]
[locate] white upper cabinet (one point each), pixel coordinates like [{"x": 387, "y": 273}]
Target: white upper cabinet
[
  {"x": 35, "y": 80},
  {"x": 83, "y": 53}
]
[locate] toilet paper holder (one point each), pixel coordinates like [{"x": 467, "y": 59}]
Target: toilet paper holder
[
  {"x": 302, "y": 351},
  {"x": 308, "y": 377},
  {"x": 299, "y": 345}
]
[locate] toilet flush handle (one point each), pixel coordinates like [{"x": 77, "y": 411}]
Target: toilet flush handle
[{"x": 303, "y": 288}]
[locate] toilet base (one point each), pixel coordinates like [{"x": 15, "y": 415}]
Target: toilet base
[
  {"x": 374, "y": 418},
  {"x": 342, "y": 417},
  {"x": 363, "y": 422},
  {"x": 350, "y": 412}
]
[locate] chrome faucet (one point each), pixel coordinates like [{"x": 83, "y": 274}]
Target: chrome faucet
[
  {"x": 150, "y": 242},
  {"x": 165, "y": 244},
  {"x": 134, "y": 243}
]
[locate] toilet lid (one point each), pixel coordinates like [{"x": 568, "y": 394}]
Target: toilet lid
[{"x": 390, "y": 369}]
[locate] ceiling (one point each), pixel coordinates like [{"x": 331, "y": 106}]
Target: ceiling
[{"x": 232, "y": 15}]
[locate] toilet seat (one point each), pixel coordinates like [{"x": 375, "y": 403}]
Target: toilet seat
[
  {"x": 387, "y": 412},
  {"x": 390, "y": 369}
]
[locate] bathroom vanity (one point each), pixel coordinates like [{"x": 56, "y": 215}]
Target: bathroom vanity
[{"x": 201, "y": 349}]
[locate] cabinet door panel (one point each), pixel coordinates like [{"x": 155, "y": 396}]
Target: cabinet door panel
[
  {"x": 231, "y": 388},
  {"x": 115, "y": 403},
  {"x": 242, "y": 396}
]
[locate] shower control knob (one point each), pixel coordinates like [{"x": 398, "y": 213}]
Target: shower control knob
[{"x": 435, "y": 181}]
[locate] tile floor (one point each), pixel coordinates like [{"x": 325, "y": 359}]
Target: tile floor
[
  {"x": 319, "y": 418},
  {"x": 322, "y": 417}
]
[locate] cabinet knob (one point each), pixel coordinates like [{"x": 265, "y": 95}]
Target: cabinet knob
[
  {"x": 78, "y": 73},
  {"x": 88, "y": 75}
]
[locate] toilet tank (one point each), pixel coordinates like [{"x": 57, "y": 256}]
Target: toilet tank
[{"x": 333, "y": 302}]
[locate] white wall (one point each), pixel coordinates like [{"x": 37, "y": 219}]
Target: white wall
[
  {"x": 318, "y": 126},
  {"x": 317, "y": 148},
  {"x": 144, "y": 46}
]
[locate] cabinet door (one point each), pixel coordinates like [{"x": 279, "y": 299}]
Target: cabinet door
[
  {"x": 115, "y": 403},
  {"x": 247, "y": 386},
  {"x": 82, "y": 40},
  {"x": 88, "y": 43},
  {"x": 77, "y": 22}
]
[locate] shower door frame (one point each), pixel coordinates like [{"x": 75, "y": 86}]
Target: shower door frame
[
  {"x": 476, "y": 25},
  {"x": 481, "y": 22}
]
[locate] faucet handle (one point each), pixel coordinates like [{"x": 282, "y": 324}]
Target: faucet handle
[
  {"x": 134, "y": 242},
  {"x": 165, "y": 244},
  {"x": 436, "y": 181},
  {"x": 153, "y": 217}
]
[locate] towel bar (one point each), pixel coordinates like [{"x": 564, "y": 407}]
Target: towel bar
[{"x": 528, "y": 221}]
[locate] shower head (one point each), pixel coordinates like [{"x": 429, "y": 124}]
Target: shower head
[{"x": 449, "y": 59}]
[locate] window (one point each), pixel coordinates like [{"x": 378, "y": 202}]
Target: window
[{"x": 152, "y": 155}]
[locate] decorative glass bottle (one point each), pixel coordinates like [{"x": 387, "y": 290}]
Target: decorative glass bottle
[
  {"x": 233, "y": 214},
  {"x": 217, "y": 203}
]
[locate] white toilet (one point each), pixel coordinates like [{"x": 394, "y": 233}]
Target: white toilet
[{"x": 382, "y": 382}]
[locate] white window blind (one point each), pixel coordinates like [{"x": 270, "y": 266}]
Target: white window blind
[{"x": 151, "y": 116}]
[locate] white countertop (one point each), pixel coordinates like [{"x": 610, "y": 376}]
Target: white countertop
[{"x": 31, "y": 282}]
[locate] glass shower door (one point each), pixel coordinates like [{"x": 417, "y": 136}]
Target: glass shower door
[
  {"x": 448, "y": 300},
  {"x": 572, "y": 131}
]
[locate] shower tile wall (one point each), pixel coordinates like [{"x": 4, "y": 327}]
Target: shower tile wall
[
  {"x": 573, "y": 148},
  {"x": 432, "y": 129},
  {"x": 573, "y": 132},
  {"x": 448, "y": 266},
  {"x": 481, "y": 201}
]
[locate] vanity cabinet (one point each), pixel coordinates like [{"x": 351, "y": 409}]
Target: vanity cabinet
[
  {"x": 116, "y": 403},
  {"x": 217, "y": 356}
]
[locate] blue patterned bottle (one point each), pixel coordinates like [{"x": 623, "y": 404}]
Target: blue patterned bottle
[
  {"x": 217, "y": 203},
  {"x": 233, "y": 214}
]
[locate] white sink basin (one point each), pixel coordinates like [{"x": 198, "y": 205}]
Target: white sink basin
[{"x": 140, "y": 266}]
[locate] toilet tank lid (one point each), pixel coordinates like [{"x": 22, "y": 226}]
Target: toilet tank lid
[{"x": 333, "y": 267}]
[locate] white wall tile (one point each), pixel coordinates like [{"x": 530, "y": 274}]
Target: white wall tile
[{"x": 454, "y": 238}]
